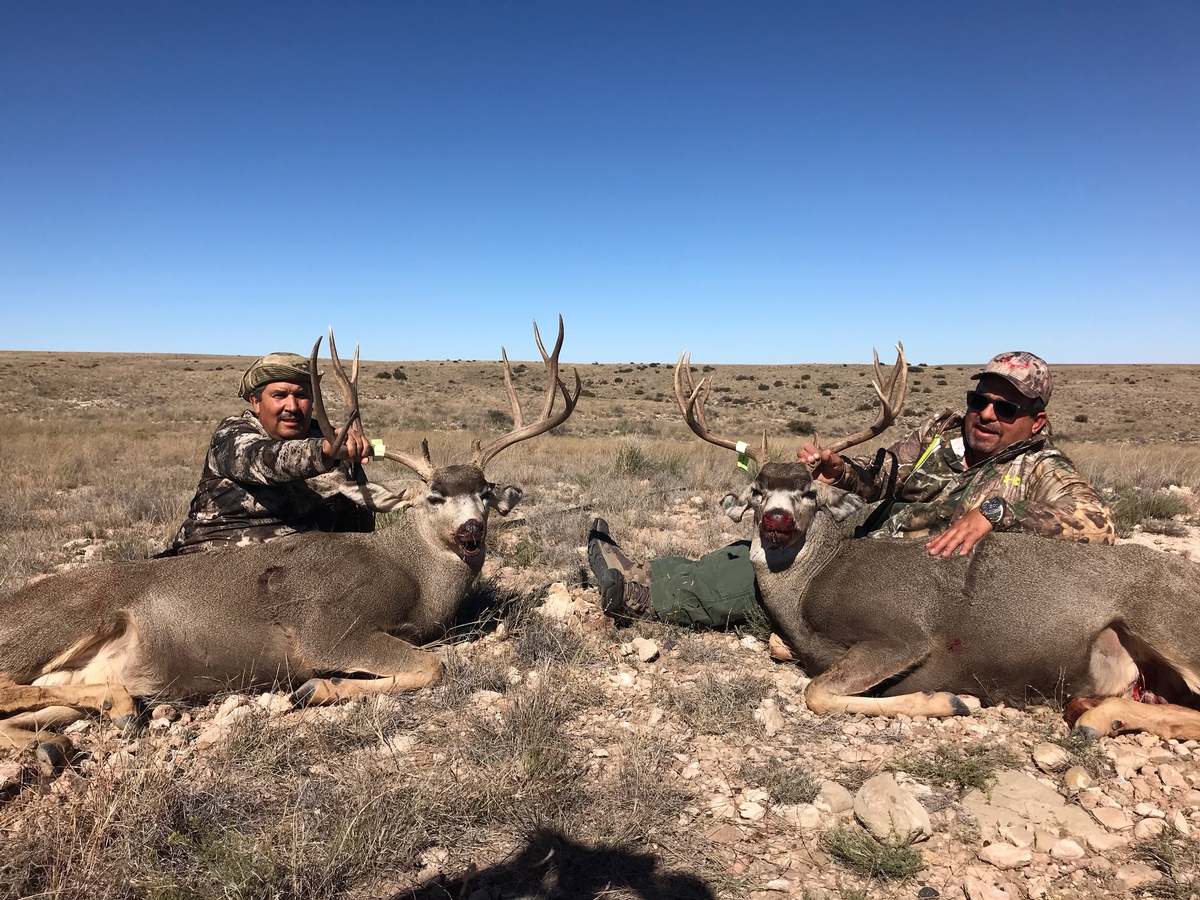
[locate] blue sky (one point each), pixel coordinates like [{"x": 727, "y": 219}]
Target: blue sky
[{"x": 766, "y": 182}]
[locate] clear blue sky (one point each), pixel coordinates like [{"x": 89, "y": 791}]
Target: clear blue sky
[{"x": 762, "y": 182}]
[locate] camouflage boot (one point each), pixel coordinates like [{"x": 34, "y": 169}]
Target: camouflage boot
[{"x": 624, "y": 584}]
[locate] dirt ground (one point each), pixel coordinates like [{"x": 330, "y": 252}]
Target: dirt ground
[{"x": 562, "y": 756}]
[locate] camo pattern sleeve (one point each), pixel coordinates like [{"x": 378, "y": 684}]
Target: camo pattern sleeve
[
  {"x": 1058, "y": 503},
  {"x": 880, "y": 476},
  {"x": 242, "y": 452}
]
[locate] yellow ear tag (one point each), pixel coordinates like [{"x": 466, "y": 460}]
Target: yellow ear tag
[
  {"x": 743, "y": 460},
  {"x": 377, "y": 447}
]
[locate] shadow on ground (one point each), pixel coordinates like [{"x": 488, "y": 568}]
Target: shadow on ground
[{"x": 551, "y": 866}]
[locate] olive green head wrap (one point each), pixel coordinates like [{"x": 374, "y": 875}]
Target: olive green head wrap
[{"x": 274, "y": 367}]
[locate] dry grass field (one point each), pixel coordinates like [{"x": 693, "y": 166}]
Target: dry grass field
[{"x": 553, "y": 761}]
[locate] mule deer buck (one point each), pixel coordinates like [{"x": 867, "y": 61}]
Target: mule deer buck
[
  {"x": 883, "y": 628},
  {"x": 304, "y": 609}
]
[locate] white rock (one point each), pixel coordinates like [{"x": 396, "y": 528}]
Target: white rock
[
  {"x": 769, "y": 715},
  {"x": 1112, "y": 819},
  {"x": 751, "y": 811},
  {"x": 1105, "y": 843},
  {"x": 1135, "y": 875},
  {"x": 1006, "y": 856},
  {"x": 834, "y": 798},
  {"x": 276, "y": 705},
  {"x": 1151, "y": 812},
  {"x": 1066, "y": 850},
  {"x": 751, "y": 643},
  {"x": 1171, "y": 778},
  {"x": 890, "y": 812},
  {"x": 1077, "y": 778},
  {"x": 1051, "y": 757},
  {"x": 1180, "y": 823},
  {"x": 1016, "y": 835},
  {"x": 1148, "y": 828},
  {"x": 980, "y": 890},
  {"x": 646, "y": 650}
]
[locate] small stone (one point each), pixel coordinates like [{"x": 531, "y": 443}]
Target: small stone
[
  {"x": 1044, "y": 841},
  {"x": 891, "y": 813},
  {"x": 834, "y": 798},
  {"x": 164, "y": 711},
  {"x": 1006, "y": 856},
  {"x": 769, "y": 715},
  {"x": 1112, "y": 819},
  {"x": 928, "y": 893},
  {"x": 1051, "y": 757},
  {"x": 1153, "y": 812},
  {"x": 646, "y": 650},
  {"x": 1148, "y": 828},
  {"x": 724, "y": 834},
  {"x": 1016, "y": 835},
  {"x": 981, "y": 890},
  {"x": 804, "y": 816},
  {"x": 1170, "y": 776},
  {"x": 1077, "y": 778},
  {"x": 1135, "y": 875},
  {"x": 1104, "y": 843},
  {"x": 751, "y": 643},
  {"x": 1066, "y": 850},
  {"x": 1180, "y": 823},
  {"x": 751, "y": 811},
  {"x": 276, "y": 705},
  {"x": 1100, "y": 866},
  {"x": 12, "y": 778}
]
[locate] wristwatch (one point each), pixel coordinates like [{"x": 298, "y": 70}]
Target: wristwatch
[{"x": 993, "y": 510}]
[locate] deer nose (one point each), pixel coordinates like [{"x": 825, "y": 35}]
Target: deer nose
[
  {"x": 777, "y": 520},
  {"x": 472, "y": 528}
]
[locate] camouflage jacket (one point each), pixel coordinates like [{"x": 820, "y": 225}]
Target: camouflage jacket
[
  {"x": 926, "y": 486},
  {"x": 255, "y": 488}
]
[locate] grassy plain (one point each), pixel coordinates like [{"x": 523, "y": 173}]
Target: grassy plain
[{"x": 554, "y": 742}]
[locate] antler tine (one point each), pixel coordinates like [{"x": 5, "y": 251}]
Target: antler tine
[
  {"x": 511, "y": 391},
  {"x": 551, "y": 363},
  {"x": 327, "y": 430},
  {"x": 693, "y": 412},
  {"x": 349, "y": 386},
  {"x": 890, "y": 403},
  {"x": 422, "y": 465},
  {"x": 521, "y": 432}
]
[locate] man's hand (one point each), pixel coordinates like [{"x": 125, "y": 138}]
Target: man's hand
[
  {"x": 355, "y": 448},
  {"x": 966, "y": 531},
  {"x": 827, "y": 466}
]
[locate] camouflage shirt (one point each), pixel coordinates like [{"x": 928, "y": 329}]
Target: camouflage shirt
[
  {"x": 928, "y": 484},
  {"x": 255, "y": 488}
]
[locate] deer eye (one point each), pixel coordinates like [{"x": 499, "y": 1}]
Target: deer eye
[{"x": 435, "y": 499}]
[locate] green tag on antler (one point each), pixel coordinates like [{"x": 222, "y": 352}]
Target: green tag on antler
[
  {"x": 743, "y": 460},
  {"x": 377, "y": 447}
]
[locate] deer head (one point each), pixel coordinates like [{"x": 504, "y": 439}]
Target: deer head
[
  {"x": 455, "y": 499},
  {"x": 784, "y": 496}
]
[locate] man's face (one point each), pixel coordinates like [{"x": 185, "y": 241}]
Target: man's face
[
  {"x": 285, "y": 410},
  {"x": 986, "y": 433}
]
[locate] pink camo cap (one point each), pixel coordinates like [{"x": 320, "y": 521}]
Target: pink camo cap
[{"x": 1028, "y": 373}]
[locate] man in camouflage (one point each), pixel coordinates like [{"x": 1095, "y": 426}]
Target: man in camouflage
[
  {"x": 951, "y": 481},
  {"x": 269, "y": 472}
]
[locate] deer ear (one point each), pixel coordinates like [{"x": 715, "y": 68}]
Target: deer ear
[
  {"x": 502, "y": 497},
  {"x": 838, "y": 503},
  {"x": 735, "y": 506}
]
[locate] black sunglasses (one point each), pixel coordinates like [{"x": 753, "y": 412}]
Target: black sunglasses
[{"x": 1005, "y": 410}]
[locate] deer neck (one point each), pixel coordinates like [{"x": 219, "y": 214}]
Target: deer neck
[
  {"x": 442, "y": 576},
  {"x": 789, "y": 570}
]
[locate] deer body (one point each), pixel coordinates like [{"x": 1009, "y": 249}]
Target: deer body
[
  {"x": 884, "y": 628},
  {"x": 306, "y": 608}
]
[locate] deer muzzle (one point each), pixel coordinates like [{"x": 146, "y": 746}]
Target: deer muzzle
[
  {"x": 471, "y": 538},
  {"x": 777, "y": 527}
]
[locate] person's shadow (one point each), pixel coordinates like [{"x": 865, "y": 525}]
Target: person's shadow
[{"x": 551, "y": 866}]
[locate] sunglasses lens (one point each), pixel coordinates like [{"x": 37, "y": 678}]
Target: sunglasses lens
[{"x": 1004, "y": 409}]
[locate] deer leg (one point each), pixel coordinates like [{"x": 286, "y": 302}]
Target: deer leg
[
  {"x": 1118, "y": 715},
  {"x": 867, "y": 664},
  {"x": 398, "y": 664},
  {"x": 111, "y": 700}
]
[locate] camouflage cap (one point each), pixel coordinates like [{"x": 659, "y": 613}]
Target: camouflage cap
[
  {"x": 1030, "y": 374},
  {"x": 274, "y": 367}
]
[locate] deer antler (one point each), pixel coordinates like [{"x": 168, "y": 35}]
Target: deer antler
[
  {"x": 422, "y": 465},
  {"x": 889, "y": 405},
  {"x": 692, "y": 408},
  {"x": 554, "y": 384}
]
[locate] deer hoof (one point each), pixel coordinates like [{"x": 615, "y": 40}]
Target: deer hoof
[
  {"x": 303, "y": 695},
  {"x": 957, "y": 707},
  {"x": 128, "y": 724},
  {"x": 1085, "y": 733},
  {"x": 52, "y": 757}
]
